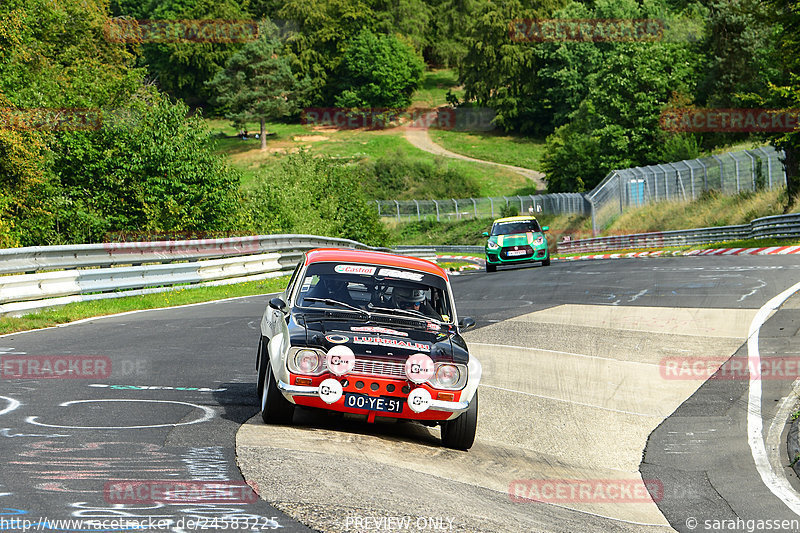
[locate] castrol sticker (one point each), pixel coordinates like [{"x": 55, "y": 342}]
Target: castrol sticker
[
  {"x": 340, "y": 360},
  {"x": 354, "y": 269},
  {"x": 419, "y": 400},
  {"x": 330, "y": 391},
  {"x": 419, "y": 368}
]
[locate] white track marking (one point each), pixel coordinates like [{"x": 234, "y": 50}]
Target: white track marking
[
  {"x": 209, "y": 414},
  {"x": 777, "y": 484},
  {"x": 12, "y": 404}
]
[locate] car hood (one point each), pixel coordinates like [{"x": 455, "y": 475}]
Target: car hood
[
  {"x": 385, "y": 341},
  {"x": 515, "y": 239}
]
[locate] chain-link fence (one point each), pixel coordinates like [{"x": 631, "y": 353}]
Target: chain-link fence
[
  {"x": 464, "y": 208},
  {"x": 730, "y": 173}
]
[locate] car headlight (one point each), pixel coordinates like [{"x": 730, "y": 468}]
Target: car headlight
[
  {"x": 491, "y": 245},
  {"x": 449, "y": 376},
  {"x": 538, "y": 241},
  {"x": 306, "y": 361}
]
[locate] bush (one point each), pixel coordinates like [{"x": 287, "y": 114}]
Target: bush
[
  {"x": 395, "y": 176},
  {"x": 509, "y": 210},
  {"x": 317, "y": 196}
]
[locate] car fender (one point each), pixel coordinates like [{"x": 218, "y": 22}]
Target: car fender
[
  {"x": 278, "y": 350},
  {"x": 475, "y": 370}
]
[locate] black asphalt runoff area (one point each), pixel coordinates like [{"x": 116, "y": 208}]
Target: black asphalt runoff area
[{"x": 163, "y": 393}]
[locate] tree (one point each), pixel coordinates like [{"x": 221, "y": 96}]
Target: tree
[
  {"x": 378, "y": 71},
  {"x": 182, "y": 68},
  {"x": 257, "y": 83}
]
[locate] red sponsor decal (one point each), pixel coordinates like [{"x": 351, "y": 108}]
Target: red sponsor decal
[
  {"x": 148, "y": 492},
  {"x": 54, "y": 366},
  {"x": 586, "y": 490}
]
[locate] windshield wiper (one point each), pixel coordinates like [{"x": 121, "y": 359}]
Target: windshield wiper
[
  {"x": 412, "y": 312},
  {"x": 330, "y": 301}
]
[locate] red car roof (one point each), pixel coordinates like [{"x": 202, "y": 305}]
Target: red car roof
[{"x": 374, "y": 258}]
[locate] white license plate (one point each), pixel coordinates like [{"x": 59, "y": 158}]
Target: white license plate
[{"x": 515, "y": 252}]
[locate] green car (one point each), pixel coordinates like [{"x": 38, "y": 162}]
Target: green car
[{"x": 516, "y": 240}]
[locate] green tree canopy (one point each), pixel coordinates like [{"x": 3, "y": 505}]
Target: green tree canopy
[{"x": 378, "y": 71}]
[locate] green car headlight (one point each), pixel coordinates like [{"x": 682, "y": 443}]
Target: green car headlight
[
  {"x": 539, "y": 240},
  {"x": 491, "y": 245}
]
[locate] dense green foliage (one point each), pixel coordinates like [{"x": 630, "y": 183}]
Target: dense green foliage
[
  {"x": 377, "y": 72},
  {"x": 312, "y": 195}
]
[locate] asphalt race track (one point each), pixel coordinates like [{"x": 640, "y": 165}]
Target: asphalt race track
[{"x": 585, "y": 405}]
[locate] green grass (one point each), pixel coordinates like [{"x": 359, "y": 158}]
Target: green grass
[
  {"x": 434, "y": 88},
  {"x": 188, "y": 295},
  {"x": 499, "y": 147}
]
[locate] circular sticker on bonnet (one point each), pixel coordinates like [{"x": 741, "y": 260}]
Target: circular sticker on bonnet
[
  {"x": 340, "y": 360},
  {"x": 419, "y": 368},
  {"x": 330, "y": 391}
]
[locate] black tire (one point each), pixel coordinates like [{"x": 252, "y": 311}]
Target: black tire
[
  {"x": 546, "y": 262},
  {"x": 275, "y": 409},
  {"x": 460, "y": 432},
  {"x": 490, "y": 268}
]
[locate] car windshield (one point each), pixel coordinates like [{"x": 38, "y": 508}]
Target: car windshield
[
  {"x": 517, "y": 226},
  {"x": 375, "y": 289}
]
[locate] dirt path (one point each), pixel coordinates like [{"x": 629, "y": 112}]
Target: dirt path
[{"x": 417, "y": 134}]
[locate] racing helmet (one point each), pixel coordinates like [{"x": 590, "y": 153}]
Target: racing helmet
[{"x": 406, "y": 296}]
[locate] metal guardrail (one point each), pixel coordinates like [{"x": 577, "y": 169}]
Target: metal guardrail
[
  {"x": 38, "y": 258},
  {"x": 177, "y": 263},
  {"x": 778, "y": 226}
]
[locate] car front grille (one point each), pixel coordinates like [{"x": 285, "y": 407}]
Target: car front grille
[
  {"x": 379, "y": 368},
  {"x": 527, "y": 249}
]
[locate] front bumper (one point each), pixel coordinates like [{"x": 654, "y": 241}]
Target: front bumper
[
  {"x": 500, "y": 256},
  {"x": 308, "y": 395}
]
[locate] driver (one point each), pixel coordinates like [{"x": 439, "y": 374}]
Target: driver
[{"x": 413, "y": 300}]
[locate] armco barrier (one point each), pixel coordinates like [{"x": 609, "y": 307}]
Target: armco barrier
[
  {"x": 26, "y": 292},
  {"x": 778, "y": 226},
  {"x": 38, "y": 258}
]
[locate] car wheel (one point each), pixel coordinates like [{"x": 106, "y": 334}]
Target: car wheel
[
  {"x": 275, "y": 409},
  {"x": 490, "y": 268},
  {"x": 546, "y": 262},
  {"x": 460, "y": 432}
]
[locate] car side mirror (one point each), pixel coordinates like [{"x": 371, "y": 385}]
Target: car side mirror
[
  {"x": 278, "y": 305},
  {"x": 485, "y": 233},
  {"x": 466, "y": 323},
  {"x": 545, "y": 228}
]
